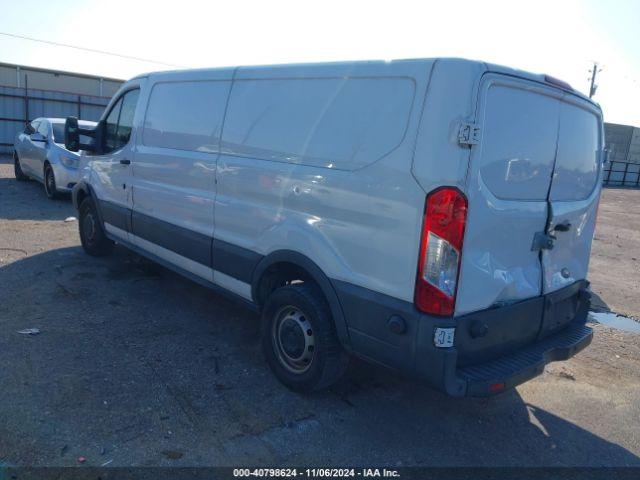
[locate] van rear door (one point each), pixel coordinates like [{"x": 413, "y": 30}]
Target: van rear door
[
  {"x": 531, "y": 134},
  {"x": 574, "y": 194},
  {"x": 507, "y": 187},
  {"x": 573, "y": 201}
]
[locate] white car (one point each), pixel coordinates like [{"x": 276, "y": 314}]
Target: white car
[
  {"x": 434, "y": 216},
  {"x": 39, "y": 154}
]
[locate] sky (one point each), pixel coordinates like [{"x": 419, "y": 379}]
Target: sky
[{"x": 561, "y": 38}]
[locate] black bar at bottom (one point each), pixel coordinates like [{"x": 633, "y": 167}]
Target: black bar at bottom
[{"x": 280, "y": 471}]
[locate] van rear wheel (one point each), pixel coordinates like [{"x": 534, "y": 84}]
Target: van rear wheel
[
  {"x": 299, "y": 338},
  {"x": 92, "y": 236}
]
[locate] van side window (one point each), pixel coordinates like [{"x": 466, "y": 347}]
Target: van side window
[
  {"x": 110, "y": 127},
  {"x": 342, "y": 123},
  {"x": 119, "y": 122},
  {"x": 186, "y": 115}
]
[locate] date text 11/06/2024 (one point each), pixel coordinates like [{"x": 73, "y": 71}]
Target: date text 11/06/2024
[{"x": 316, "y": 472}]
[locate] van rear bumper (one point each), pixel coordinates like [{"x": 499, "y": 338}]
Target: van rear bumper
[
  {"x": 493, "y": 350},
  {"x": 506, "y": 372}
]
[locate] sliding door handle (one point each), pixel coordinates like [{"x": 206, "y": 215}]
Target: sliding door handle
[{"x": 124, "y": 161}]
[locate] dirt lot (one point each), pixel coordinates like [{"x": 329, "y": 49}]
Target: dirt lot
[
  {"x": 615, "y": 258},
  {"x": 138, "y": 366}
]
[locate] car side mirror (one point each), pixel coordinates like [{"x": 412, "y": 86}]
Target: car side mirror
[
  {"x": 72, "y": 132},
  {"x": 38, "y": 137}
]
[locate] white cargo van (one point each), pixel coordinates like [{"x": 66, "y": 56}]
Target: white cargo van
[{"x": 434, "y": 216}]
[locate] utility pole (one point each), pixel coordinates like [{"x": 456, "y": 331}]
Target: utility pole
[{"x": 594, "y": 71}]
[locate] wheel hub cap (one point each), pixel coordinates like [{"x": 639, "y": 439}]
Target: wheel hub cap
[{"x": 293, "y": 339}]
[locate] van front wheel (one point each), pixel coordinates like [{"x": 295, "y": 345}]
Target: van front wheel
[
  {"x": 92, "y": 236},
  {"x": 299, "y": 338}
]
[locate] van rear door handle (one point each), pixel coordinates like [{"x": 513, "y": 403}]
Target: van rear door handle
[{"x": 124, "y": 161}]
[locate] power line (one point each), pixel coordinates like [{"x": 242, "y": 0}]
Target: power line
[{"x": 93, "y": 50}]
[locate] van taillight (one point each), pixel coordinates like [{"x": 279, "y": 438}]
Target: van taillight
[{"x": 445, "y": 214}]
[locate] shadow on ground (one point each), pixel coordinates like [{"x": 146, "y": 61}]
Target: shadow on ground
[
  {"x": 598, "y": 304},
  {"x": 28, "y": 201},
  {"x": 137, "y": 365}
]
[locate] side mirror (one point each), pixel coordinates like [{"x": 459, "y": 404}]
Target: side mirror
[
  {"x": 72, "y": 133},
  {"x": 38, "y": 137}
]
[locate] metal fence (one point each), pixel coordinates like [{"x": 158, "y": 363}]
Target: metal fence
[
  {"x": 21, "y": 105},
  {"x": 621, "y": 174}
]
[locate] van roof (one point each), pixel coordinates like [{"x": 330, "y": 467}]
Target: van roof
[{"x": 343, "y": 67}]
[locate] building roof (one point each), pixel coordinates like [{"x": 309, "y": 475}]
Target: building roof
[{"x": 60, "y": 72}]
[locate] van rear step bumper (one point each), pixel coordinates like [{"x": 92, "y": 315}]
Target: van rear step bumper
[
  {"x": 512, "y": 344},
  {"x": 506, "y": 372}
]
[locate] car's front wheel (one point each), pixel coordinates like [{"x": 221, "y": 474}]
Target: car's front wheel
[
  {"x": 299, "y": 338},
  {"x": 50, "y": 183},
  {"x": 92, "y": 236},
  {"x": 17, "y": 169}
]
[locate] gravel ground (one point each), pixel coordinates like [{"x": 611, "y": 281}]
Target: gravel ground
[
  {"x": 615, "y": 258},
  {"x": 138, "y": 366}
]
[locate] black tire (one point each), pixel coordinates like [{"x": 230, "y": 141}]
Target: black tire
[
  {"x": 17, "y": 169},
  {"x": 92, "y": 236},
  {"x": 50, "y": 187},
  {"x": 299, "y": 312}
]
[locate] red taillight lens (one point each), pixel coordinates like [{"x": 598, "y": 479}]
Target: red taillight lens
[
  {"x": 496, "y": 387},
  {"x": 439, "y": 262}
]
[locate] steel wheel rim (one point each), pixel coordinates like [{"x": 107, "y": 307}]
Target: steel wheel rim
[
  {"x": 89, "y": 227},
  {"x": 293, "y": 339}
]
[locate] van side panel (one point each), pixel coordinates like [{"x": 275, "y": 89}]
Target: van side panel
[
  {"x": 357, "y": 217},
  {"x": 337, "y": 185},
  {"x": 174, "y": 170},
  {"x": 439, "y": 159}
]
